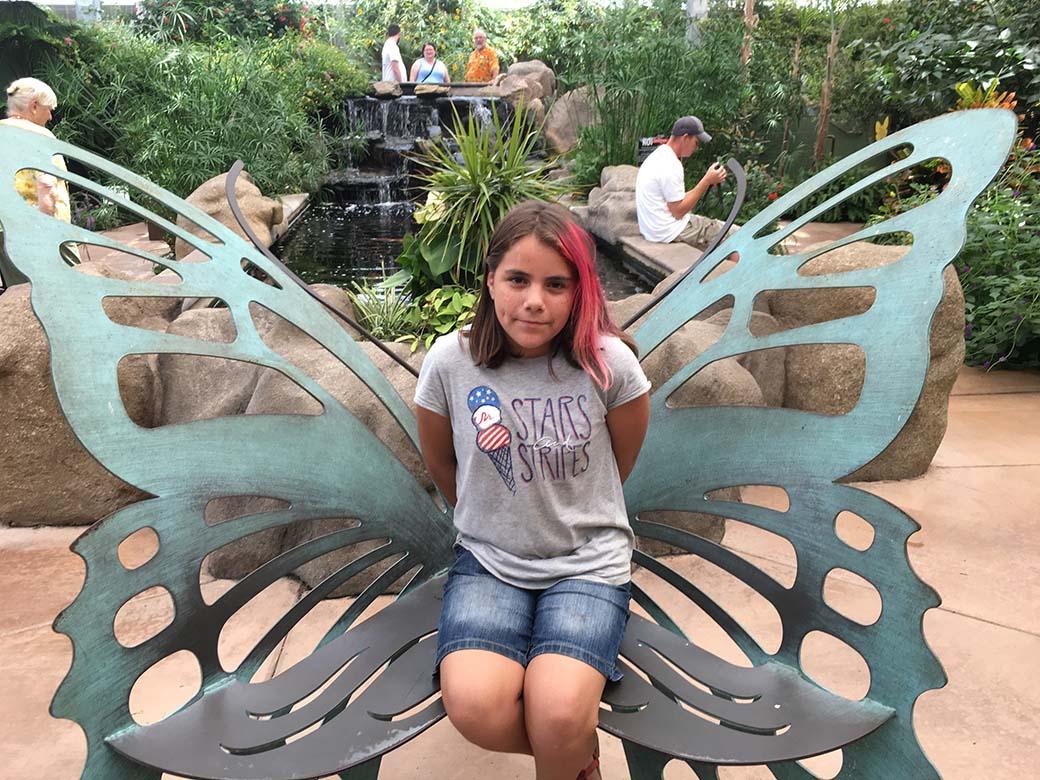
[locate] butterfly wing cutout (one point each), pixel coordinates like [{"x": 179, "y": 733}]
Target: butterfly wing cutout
[
  {"x": 690, "y": 452},
  {"x": 328, "y": 465},
  {"x": 319, "y": 466}
]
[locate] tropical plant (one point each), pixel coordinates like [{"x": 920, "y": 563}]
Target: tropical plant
[
  {"x": 935, "y": 44},
  {"x": 177, "y": 21},
  {"x": 642, "y": 73},
  {"x": 470, "y": 185},
  {"x": 437, "y": 313},
  {"x": 29, "y": 34},
  {"x": 382, "y": 309},
  {"x": 1000, "y": 266},
  {"x": 182, "y": 114}
]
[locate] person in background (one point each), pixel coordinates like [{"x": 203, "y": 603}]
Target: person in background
[
  {"x": 30, "y": 103},
  {"x": 483, "y": 61},
  {"x": 428, "y": 69},
  {"x": 393, "y": 65},
  {"x": 663, "y": 206}
]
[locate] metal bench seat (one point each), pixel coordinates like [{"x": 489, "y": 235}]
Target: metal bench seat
[
  {"x": 339, "y": 708},
  {"x": 367, "y": 688}
]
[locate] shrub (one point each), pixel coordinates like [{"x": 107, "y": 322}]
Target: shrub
[
  {"x": 934, "y": 44},
  {"x": 182, "y": 114},
  {"x": 1000, "y": 267},
  {"x": 643, "y": 74},
  {"x": 468, "y": 192},
  {"x": 178, "y": 21}
]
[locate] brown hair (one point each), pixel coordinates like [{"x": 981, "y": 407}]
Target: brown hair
[{"x": 554, "y": 226}]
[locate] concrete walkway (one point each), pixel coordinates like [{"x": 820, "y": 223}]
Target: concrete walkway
[{"x": 979, "y": 547}]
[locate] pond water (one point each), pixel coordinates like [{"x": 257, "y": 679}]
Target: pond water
[{"x": 337, "y": 243}]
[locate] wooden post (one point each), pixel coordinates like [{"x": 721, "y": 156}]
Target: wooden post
[
  {"x": 825, "y": 95},
  {"x": 750, "y": 22},
  {"x": 795, "y": 72}
]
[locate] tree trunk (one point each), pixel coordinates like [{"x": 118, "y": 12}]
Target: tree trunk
[
  {"x": 825, "y": 98},
  {"x": 750, "y": 22},
  {"x": 795, "y": 71}
]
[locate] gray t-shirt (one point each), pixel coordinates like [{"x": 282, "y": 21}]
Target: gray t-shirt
[{"x": 539, "y": 498}]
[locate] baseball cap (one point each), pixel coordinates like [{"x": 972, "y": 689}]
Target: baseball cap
[{"x": 691, "y": 125}]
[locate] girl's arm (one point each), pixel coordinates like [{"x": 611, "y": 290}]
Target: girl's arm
[
  {"x": 627, "y": 425},
  {"x": 415, "y": 71},
  {"x": 438, "y": 450}
]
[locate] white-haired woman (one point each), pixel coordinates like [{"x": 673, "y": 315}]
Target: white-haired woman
[{"x": 29, "y": 106}]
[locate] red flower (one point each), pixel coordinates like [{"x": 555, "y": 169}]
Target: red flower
[
  {"x": 67, "y": 41},
  {"x": 773, "y": 195},
  {"x": 886, "y": 20}
]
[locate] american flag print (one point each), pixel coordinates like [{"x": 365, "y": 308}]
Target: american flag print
[{"x": 493, "y": 440}]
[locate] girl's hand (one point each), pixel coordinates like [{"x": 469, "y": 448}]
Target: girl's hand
[{"x": 627, "y": 425}]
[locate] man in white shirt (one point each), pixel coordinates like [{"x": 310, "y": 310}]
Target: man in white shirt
[
  {"x": 662, "y": 205},
  {"x": 393, "y": 65}
]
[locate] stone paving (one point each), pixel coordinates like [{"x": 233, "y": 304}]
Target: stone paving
[{"x": 978, "y": 546}]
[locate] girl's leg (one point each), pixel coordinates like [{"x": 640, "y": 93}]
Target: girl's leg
[
  {"x": 561, "y": 710},
  {"x": 482, "y": 695}
]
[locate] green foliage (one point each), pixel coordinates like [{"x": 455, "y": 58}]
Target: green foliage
[
  {"x": 858, "y": 207},
  {"x": 92, "y": 213},
  {"x": 931, "y": 45},
  {"x": 468, "y": 192},
  {"x": 448, "y": 24},
  {"x": 178, "y": 21},
  {"x": 643, "y": 73},
  {"x": 28, "y": 35},
  {"x": 391, "y": 316},
  {"x": 179, "y": 115},
  {"x": 382, "y": 310},
  {"x": 553, "y": 31},
  {"x": 437, "y": 313},
  {"x": 1000, "y": 267}
]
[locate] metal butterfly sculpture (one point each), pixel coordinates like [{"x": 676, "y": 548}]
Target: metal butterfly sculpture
[{"x": 319, "y": 717}]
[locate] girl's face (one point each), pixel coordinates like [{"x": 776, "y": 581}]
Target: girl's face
[
  {"x": 533, "y": 291},
  {"x": 429, "y": 53}
]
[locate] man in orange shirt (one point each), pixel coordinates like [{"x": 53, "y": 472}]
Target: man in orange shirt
[{"x": 483, "y": 62}]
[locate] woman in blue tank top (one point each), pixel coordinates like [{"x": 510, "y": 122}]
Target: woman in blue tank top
[{"x": 428, "y": 69}]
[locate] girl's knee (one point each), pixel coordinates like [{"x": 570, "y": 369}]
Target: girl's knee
[
  {"x": 561, "y": 720},
  {"x": 484, "y": 716}
]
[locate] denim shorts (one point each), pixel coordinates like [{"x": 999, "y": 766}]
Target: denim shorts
[{"x": 577, "y": 618}]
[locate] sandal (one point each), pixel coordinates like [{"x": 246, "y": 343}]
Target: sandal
[{"x": 591, "y": 772}]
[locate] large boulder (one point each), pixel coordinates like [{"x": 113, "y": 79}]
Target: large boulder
[
  {"x": 569, "y": 114},
  {"x": 722, "y": 383},
  {"x": 386, "y": 89},
  {"x": 46, "y": 476},
  {"x": 276, "y": 394},
  {"x": 611, "y": 212},
  {"x": 530, "y": 83},
  {"x": 827, "y": 378},
  {"x": 537, "y": 74},
  {"x": 261, "y": 213}
]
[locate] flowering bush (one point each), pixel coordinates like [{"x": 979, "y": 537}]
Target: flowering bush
[{"x": 209, "y": 20}]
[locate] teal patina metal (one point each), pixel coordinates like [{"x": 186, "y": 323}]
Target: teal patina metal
[{"x": 330, "y": 465}]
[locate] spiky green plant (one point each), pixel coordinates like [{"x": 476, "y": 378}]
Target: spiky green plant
[{"x": 468, "y": 192}]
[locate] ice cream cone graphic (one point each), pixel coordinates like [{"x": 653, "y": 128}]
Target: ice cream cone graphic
[
  {"x": 493, "y": 438},
  {"x": 494, "y": 442}
]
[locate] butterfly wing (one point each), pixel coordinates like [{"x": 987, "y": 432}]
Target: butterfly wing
[
  {"x": 326, "y": 465},
  {"x": 690, "y": 452}
]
